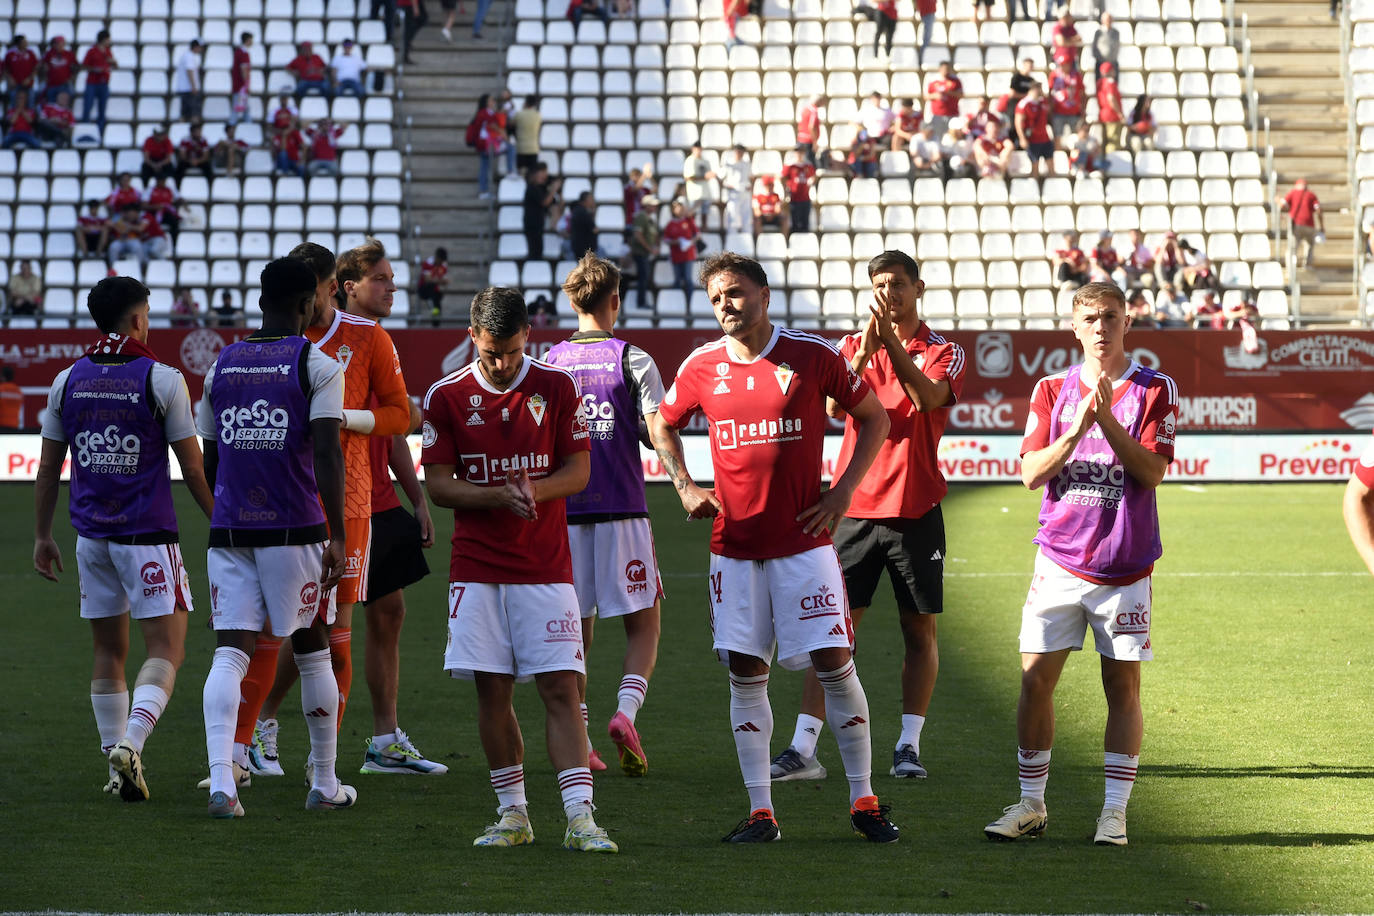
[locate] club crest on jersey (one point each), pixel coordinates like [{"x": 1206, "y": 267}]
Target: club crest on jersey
[
  {"x": 475, "y": 400},
  {"x": 505, "y": 414},
  {"x": 537, "y": 406},
  {"x": 784, "y": 375},
  {"x": 722, "y": 370},
  {"x": 344, "y": 355}
]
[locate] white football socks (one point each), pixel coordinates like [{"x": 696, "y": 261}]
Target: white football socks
[
  {"x": 846, "y": 709},
  {"x": 509, "y": 785},
  {"x": 575, "y": 784},
  {"x": 911, "y": 732},
  {"x": 152, "y": 690},
  {"x": 806, "y": 735},
  {"x": 110, "y": 702},
  {"x": 1119, "y": 770},
  {"x": 751, "y": 718},
  {"x": 631, "y": 695},
  {"x": 1033, "y": 768},
  {"x": 220, "y": 705},
  {"x": 320, "y": 703}
]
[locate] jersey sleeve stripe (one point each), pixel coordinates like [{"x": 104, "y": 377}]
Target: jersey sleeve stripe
[
  {"x": 449, "y": 379},
  {"x": 956, "y": 364},
  {"x": 792, "y": 334}
]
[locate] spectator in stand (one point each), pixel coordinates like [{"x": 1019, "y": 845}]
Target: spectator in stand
[
  {"x": 241, "y": 80},
  {"x": 25, "y": 293},
  {"x": 542, "y": 312},
  {"x": 582, "y": 228},
  {"x": 1140, "y": 126},
  {"x": 161, "y": 202},
  {"x": 1168, "y": 261},
  {"x": 1067, "y": 44},
  {"x": 20, "y": 66},
  {"x": 417, "y": 17},
  {"x": 56, "y": 120},
  {"x": 578, "y": 9},
  {"x": 942, "y": 98},
  {"x": 697, "y": 177},
  {"x": 637, "y": 187},
  {"x": 1020, "y": 84},
  {"x": 863, "y": 156},
  {"x": 324, "y": 147},
  {"x": 907, "y": 126},
  {"x": 283, "y": 117},
  {"x": 682, "y": 236},
  {"x": 1241, "y": 312},
  {"x": 185, "y": 308},
  {"x": 433, "y": 282},
  {"x": 451, "y": 9},
  {"x": 1071, "y": 269},
  {"x": 1171, "y": 308},
  {"x": 490, "y": 137},
  {"x": 127, "y": 232},
  {"x": 926, "y": 10},
  {"x": 1106, "y": 262},
  {"x": 159, "y": 156},
  {"x": 1140, "y": 262},
  {"x": 123, "y": 194},
  {"x": 982, "y": 10},
  {"x": 229, "y": 151},
  {"x": 347, "y": 71},
  {"x": 187, "y": 82},
  {"x": 227, "y": 314},
  {"x": 1067, "y": 99},
  {"x": 768, "y": 209},
  {"x": 481, "y": 16},
  {"x": 92, "y": 231},
  {"x": 193, "y": 152},
  {"x": 1106, "y": 43},
  {"x": 926, "y": 156},
  {"x": 1109, "y": 116},
  {"x": 1139, "y": 310},
  {"x": 737, "y": 181},
  {"x": 1011, "y": 11},
  {"x": 982, "y": 119},
  {"x": 527, "y": 123},
  {"x": 311, "y": 74},
  {"x": 644, "y": 240},
  {"x": 1197, "y": 272},
  {"x": 732, "y": 11},
  {"x": 59, "y": 69},
  {"x": 156, "y": 246},
  {"x": 98, "y": 63},
  {"x": 798, "y": 175},
  {"x": 809, "y": 128},
  {"x": 956, "y": 150},
  {"x": 1085, "y": 153},
  {"x": 290, "y": 146},
  {"x": 1033, "y": 127},
  {"x": 1304, "y": 216},
  {"x": 884, "y": 16},
  {"x": 384, "y": 10},
  {"x": 20, "y": 121},
  {"x": 875, "y": 118},
  {"x": 540, "y": 193},
  {"x": 992, "y": 152},
  {"x": 1207, "y": 313}
]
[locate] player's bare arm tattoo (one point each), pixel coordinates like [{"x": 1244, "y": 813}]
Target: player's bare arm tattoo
[{"x": 674, "y": 469}]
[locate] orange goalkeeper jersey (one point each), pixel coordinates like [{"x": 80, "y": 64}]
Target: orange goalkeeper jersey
[{"x": 370, "y": 366}]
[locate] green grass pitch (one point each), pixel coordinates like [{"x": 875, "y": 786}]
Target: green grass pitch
[{"x": 1256, "y": 790}]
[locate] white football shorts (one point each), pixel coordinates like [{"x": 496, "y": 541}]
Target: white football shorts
[
  {"x": 148, "y": 579},
  {"x": 251, "y": 587},
  {"x": 792, "y": 605},
  {"x": 520, "y": 630},
  {"x": 1060, "y": 606},
  {"x": 615, "y": 571}
]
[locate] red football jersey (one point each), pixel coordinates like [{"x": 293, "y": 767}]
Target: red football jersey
[
  {"x": 98, "y": 62},
  {"x": 905, "y": 479},
  {"x": 768, "y": 424},
  {"x": 533, "y": 425},
  {"x": 61, "y": 65},
  {"x": 237, "y": 80},
  {"x": 1037, "y": 115}
]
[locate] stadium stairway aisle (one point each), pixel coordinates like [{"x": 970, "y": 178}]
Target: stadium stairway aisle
[
  {"x": 440, "y": 94},
  {"x": 1296, "y": 52}
]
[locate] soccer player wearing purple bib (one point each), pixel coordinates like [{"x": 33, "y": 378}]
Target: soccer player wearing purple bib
[
  {"x": 1099, "y": 438},
  {"x": 270, "y": 419},
  {"x": 615, "y": 570},
  {"x": 119, "y": 409}
]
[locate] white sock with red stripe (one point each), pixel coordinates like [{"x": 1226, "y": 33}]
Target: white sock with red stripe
[
  {"x": 807, "y": 735},
  {"x": 110, "y": 702},
  {"x": 509, "y": 785},
  {"x": 631, "y": 695},
  {"x": 1119, "y": 770},
  {"x": 576, "y": 785},
  {"x": 1033, "y": 767},
  {"x": 585, "y": 720},
  {"x": 220, "y": 706},
  {"x": 320, "y": 703},
  {"x": 152, "y": 690},
  {"x": 846, "y": 709},
  {"x": 751, "y": 717}
]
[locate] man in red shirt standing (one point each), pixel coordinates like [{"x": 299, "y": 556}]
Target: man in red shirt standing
[
  {"x": 20, "y": 65},
  {"x": 1067, "y": 43},
  {"x": 310, "y": 72},
  {"x": 97, "y": 63},
  {"x": 433, "y": 282},
  {"x": 775, "y": 583},
  {"x": 240, "y": 79},
  {"x": 884, "y": 16},
  {"x": 809, "y": 127},
  {"x": 894, "y": 521},
  {"x": 768, "y": 209},
  {"x": 926, "y": 10},
  {"x": 1109, "y": 113},
  {"x": 943, "y": 94},
  {"x": 798, "y": 175},
  {"x": 59, "y": 68},
  {"x": 505, "y": 443},
  {"x": 681, "y": 234},
  {"x": 1304, "y": 215},
  {"x": 1066, "y": 98},
  {"x": 1033, "y": 129}
]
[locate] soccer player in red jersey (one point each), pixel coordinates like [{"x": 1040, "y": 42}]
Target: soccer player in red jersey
[
  {"x": 1359, "y": 507},
  {"x": 775, "y": 581},
  {"x": 894, "y": 521},
  {"x": 505, "y": 443}
]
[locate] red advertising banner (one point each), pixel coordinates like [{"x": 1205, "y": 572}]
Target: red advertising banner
[{"x": 1293, "y": 380}]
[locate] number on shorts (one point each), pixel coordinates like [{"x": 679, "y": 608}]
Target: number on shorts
[
  {"x": 715, "y": 586},
  {"x": 455, "y": 598}
]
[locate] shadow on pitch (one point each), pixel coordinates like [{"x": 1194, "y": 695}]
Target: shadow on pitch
[
  {"x": 1308, "y": 771},
  {"x": 1314, "y": 840}
]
